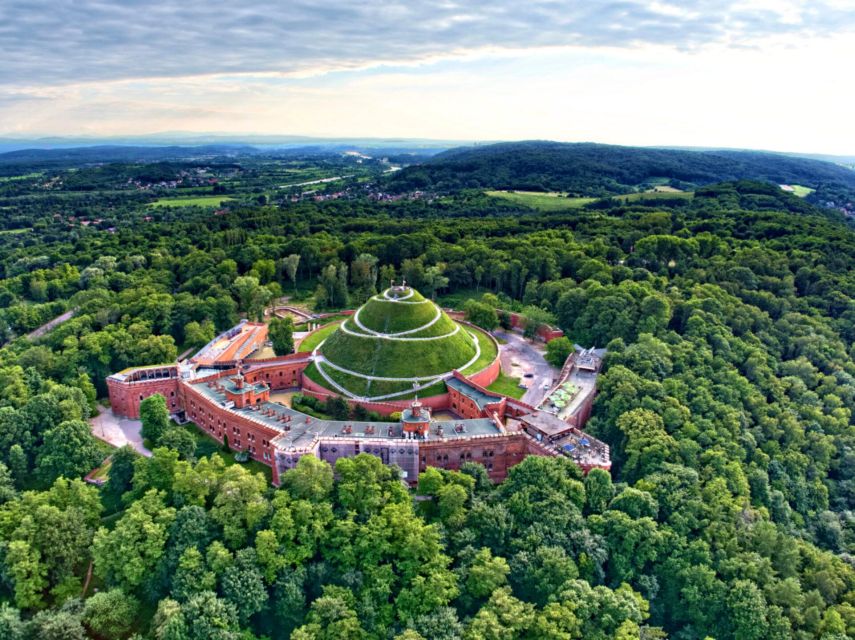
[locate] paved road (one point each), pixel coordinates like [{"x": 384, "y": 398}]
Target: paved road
[
  {"x": 519, "y": 356},
  {"x": 118, "y": 431},
  {"x": 38, "y": 333}
]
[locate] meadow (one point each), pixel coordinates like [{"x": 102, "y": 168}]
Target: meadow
[
  {"x": 552, "y": 201},
  {"x": 199, "y": 201}
]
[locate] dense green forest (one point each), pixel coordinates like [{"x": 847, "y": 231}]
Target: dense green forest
[
  {"x": 599, "y": 170},
  {"x": 727, "y": 399}
]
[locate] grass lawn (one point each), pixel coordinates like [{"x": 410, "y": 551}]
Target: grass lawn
[
  {"x": 200, "y": 201},
  {"x": 488, "y": 352},
  {"x": 800, "y": 190},
  {"x": 508, "y": 386},
  {"x": 399, "y": 358},
  {"x": 659, "y": 194},
  {"x": 360, "y": 386},
  {"x": 310, "y": 342},
  {"x": 542, "y": 201}
]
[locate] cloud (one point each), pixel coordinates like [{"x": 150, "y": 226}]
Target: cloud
[{"x": 57, "y": 42}]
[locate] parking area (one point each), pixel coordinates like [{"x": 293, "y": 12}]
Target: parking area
[{"x": 523, "y": 359}]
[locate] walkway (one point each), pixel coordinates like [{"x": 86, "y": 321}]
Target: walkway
[
  {"x": 118, "y": 431},
  {"x": 38, "y": 333}
]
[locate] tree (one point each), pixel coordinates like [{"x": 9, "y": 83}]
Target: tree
[
  {"x": 207, "y": 617},
  {"x": 198, "y": 334},
  {"x": 64, "y": 624},
  {"x": 110, "y": 614},
  {"x": 363, "y": 275},
  {"x": 332, "y": 617},
  {"x": 243, "y": 585},
  {"x": 69, "y": 450},
  {"x": 240, "y": 505},
  {"x": 481, "y": 314},
  {"x": 535, "y": 318},
  {"x": 434, "y": 280},
  {"x": 486, "y": 574},
  {"x": 281, "y": 332},
  {"x": 557, "y": 351},
  {"x": 311, "y": 479},
  {"x": 120, "y": 476},
  {"x": 291, "y": 264},
  {"x": 179, "y": 439},
  {"x": 126, "y": 554},
  {"x": 27, "y": 572},
  {"x": 598, "y": 490},
  {"x": 252, "y": 295},
  {"x": 11, "y": 626},
  {"x": 7, "y": 485},
  {"x": 191, "y": 577},
  {"x": 154, "y": 416}
]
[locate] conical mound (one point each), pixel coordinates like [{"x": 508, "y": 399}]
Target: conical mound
[{"x": 395, "y": 340}]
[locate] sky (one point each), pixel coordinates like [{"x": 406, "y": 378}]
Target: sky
[{"x": 761, "y": 74}]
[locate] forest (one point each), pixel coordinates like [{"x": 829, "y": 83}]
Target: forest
[
  {"x": 727, "y": 399},
  {"x": 586, "y": 169}
]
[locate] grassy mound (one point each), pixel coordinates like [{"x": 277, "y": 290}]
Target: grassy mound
[{"x": 392, "y": 358}]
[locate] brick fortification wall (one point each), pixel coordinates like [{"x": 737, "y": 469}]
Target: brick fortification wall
[
  {"x": 496, "y": 453},
  {"x": 285, "y": 372},
  {"x": 218, "y": 422},
  {"x": 125, "y": 397}
]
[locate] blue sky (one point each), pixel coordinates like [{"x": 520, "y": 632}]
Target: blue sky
[{"x": 767, "y": 74}]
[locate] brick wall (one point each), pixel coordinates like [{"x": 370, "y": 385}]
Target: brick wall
[
  {"x": 125, "y": 397},
  {"x": 496, "y": 453},
  {"x": 218, "y": 422}
]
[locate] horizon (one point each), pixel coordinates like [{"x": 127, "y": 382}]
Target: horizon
[
  {"x": 759, "y": 75},
  {"x": 188, "y": 139}
]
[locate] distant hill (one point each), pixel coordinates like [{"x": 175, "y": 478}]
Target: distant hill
[
  {"x": 117, "y": 153},
  {"x": 600, "y": 170}
]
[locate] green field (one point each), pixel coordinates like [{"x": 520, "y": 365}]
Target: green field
[
  {"x": 25, "y": 176},
  {"x": 489, "y": 351},
  {"x": 200, "y": 201},
  {"x": 800, "y": 190},
  {"x": 541, "y": 201},
  {"x": 508, "y": 386},
  {"x": 656, "y": 195},
  {"x": 310, "y": 342}
]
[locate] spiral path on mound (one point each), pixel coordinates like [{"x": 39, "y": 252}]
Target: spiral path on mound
[
  {"x": 422, "y": 382},
  {"x": 371, "y": 333}
]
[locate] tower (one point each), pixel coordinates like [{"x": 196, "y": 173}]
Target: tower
[{"x": 416, "y": 420}]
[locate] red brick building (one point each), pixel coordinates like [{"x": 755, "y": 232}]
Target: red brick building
[{"x": 232, "y": 404}]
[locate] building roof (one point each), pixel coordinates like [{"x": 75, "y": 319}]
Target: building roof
[
  {"x": 236, "y": 343},
  {"x": 481, "y": 398},
  {"x": 584, "y": 449},
  {"x": 302, "y": 431},
  {"x": 546, "y": 423},
  {"x": 145, "y": 373}
]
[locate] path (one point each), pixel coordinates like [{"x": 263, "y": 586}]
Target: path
[
  {"x": 528, "y": 359},
  {"x": 38, "y": 333},
  {"x": 118, "y": 431}
]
